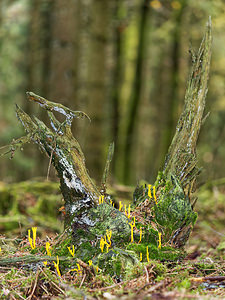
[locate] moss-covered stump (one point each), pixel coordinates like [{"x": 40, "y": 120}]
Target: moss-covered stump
[{"x": 162, "y": 215}]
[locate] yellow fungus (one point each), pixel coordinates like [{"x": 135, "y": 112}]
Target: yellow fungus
[
  {"x": 32, "y": 241},
  {"x": 72, "y": 251},
  {"x": 149, "y": 191},
  {"x": 78, "y": 269},
  {"x": 101, "y": 199},
  {"x": 147, "y": 254},
  {"x": 57, "y": 266},
  {"x": 160, "y": 240},
  {"x": 120, "y": 206},
  {"x": 90, "y": 262},
  {"x": 140, "y": 256},
  {"x": 154, "y": 195},
  {"x": 45, "y": 263},
  {"x": 102, "y": 244},
  {"x": 97, "y": 269},
  {"x": 140, "y": 235},
  {"x": 34, "y": 229},
  {"x": 132, "y": 225},
  {"x": 48, "y": 247},
  {"x": 109, "y": 235}
]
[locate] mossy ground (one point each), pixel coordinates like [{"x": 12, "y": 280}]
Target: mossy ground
[{"x": 113, "y": 275}]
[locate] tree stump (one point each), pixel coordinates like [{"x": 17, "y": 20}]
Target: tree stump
[{"x": 161, "y": 216}]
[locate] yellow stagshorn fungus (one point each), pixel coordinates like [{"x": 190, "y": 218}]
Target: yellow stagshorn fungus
[
  {"x": 48, "y": 248},
  {"x": 78, "y": 269},
  {"x": 90, "y": 263},
  {"x": 57, "y": 266},
  {"x": 160, "y": 240},
  {"x": 32, "y": 241},
  {"x": 132, "y": 225},
  {"x": 149, "y": 191},
  {"x": 147, "y": 254},
  {"x": 140, "y": 235},
  {"x": 154, "y": 195},
  {"x": 71, "y": 251},
  {"x": 101, "y": 199},
  {"x": 103, "y": 241}
]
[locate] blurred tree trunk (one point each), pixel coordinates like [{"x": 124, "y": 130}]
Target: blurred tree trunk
[
  {"x": 118, "y": 29},
  {"x": 53, "y": 55},
  {"x": 33, "y": 76},
  {"x": 135, "y": 94},
  {"x": 97, "y": 87},
  {"x": 165, "y": 94}
]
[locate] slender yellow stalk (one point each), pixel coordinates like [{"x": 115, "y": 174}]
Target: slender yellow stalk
[
  {"x": 34, "y": 229},
  {"x": 102, "y": 244},
  {"x": 147, "y": 254},
  {"x": 140, "y": 235},
  {"x": 140, "y": 256},
  {"x": 120, "y": 206},
  {"x": 154, "y": 195},
  {"x": 149, "y": 191},
  {"x": 160, "y": 240},
  {"x": 48, "y": 248}
]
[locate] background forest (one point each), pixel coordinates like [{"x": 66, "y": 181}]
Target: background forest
[{"x": 123, "y": 62}]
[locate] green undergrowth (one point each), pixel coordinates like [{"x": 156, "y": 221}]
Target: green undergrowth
[{"x": 174, "y": 274}]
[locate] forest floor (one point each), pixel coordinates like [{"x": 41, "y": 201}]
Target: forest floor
[{"x": 200, "y": 275}]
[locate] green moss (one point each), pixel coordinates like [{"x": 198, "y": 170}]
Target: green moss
[
  {"x": 165, "y": 253},
  {"x": 173, "y": 210},
  {"x": 107, "y": 217},
  {"x": 184, "y": 284},
  {"x": 116, "y": 262}
]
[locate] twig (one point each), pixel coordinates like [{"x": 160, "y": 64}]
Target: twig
[
  {"x": 147, "y": 276},
  {"x": 35, "y": 285},
  {"x": 82, "y": 280},
  {"x": 30, "y": 259},
  {"x": 156, "y": 286},
  {"x": 208, "y": 278},
  {"x": 53, "y": 283},
  {"x": 17, "y": 295},
  {"x": 49, "y": 165},
  {"x": 107, "y": 287}
]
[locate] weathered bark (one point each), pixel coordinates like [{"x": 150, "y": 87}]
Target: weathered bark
[{"x": 170, "y": 214}]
